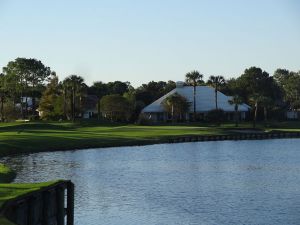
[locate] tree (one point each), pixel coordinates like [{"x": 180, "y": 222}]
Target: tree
[
  {"x": 255, "y": 99},
  {"x": 194, "y": 78},
  {"x": 216, "y": 82},
  {"x": 118, "y": 87},
  {"x": 115, "y": 107},
  {"x": 99, "y": 89},
  {"x": 254, "y": 83},
  {"x": 74, "y": 88},
  {"x": 27, "y": 76},
  {"x": 236, "y": 101},
  {"x": 289, "y": 83},
  {"x": 177, "y": 106},
  {"x": 135, "y": 104},
  {"x": 266, "y": 103},
  {"x": 50, "y": 106},
  {"x": 2, "y": 97}
]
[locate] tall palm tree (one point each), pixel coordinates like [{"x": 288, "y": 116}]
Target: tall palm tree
[
  {"x": 194, "y": 78},
  {"x": 255, "y": 99},
  {"x": 216, "y": 82},
  {"x": 74, "y": 85},
  {"x": 236, "y": 101}
]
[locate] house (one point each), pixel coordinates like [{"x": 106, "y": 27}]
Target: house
[
  {"x": 90, "y": 106},
  {"x": 205, "y": 102},
  {"x": 292, "y": 114}
]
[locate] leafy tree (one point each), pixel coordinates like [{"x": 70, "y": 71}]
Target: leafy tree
[
  {"x": 216, "y": 82},
  {"x": 255, "y": 83},
  {"x": 177, "y": 106},
  {"x": 236, "y": 101},
  {"x": 194, "y": 78},
  {"x": 135, "y": 104},
  {"x": 289, "y": 82},
  {"x": 115, "y": 107},
  {"x": 118, "y": 87},
  {"x": 50, "y": 106},
  {"x": 26, "y": 77}
]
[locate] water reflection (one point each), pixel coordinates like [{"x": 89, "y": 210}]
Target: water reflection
[{"x": 242, "y": 182}]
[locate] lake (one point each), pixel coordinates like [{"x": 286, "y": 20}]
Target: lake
[{"x": 204, "y": 183}]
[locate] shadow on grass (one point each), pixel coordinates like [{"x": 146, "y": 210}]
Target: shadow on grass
[{"x": 34, "y": 126}]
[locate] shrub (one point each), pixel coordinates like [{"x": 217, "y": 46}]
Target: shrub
[
  {"x": 216, "y": 116},
  {"x": 144, "y": 120}
]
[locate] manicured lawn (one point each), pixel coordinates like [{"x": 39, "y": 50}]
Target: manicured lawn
[{"x": 16, "y": 138}]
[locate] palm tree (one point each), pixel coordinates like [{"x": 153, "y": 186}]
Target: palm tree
[
  {"x": 255, "y": 100},
  {"x": 216, "y": 82},
  {"x": 74, "y": 84},
  {"x": 176, "y": 105},
  {"x": 194, "y": 78},
  {"x": 236, "y": 101}
]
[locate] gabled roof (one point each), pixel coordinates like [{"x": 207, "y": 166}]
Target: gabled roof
[{"x": 205, "y": 100}]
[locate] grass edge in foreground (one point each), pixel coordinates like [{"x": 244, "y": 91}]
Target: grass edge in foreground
[
  {"x": 9, "y": 192},
  {"x": 7, "y": 175}
]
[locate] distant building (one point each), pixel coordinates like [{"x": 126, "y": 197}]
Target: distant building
[
  {"x": 205, "y": 102},
  {"x": 292, "y": 115},
  {"x": 90, "y": 106}
]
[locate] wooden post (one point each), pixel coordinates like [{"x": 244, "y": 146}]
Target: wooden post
[
  {"x": 60, "y": 202},
  {"x": 46, "y": 198},
  {"x": 70, "y": 204}
]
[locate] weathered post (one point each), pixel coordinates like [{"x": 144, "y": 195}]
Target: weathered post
[
  {"x": 70, "y": 203},
  {"x": 60, "y": 199}
]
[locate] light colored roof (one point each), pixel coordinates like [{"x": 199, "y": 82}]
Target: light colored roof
[{"x": 205, "y": 100}]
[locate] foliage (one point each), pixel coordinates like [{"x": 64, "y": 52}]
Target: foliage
[
  {"x": 216, "y": 116},
  {"x": 236, "y": 101},
  {"x": 51, "y": 103},
  {"x": 177, "y": 106},
  {"x": 115, "y": 108},
  {"x": 74, "y": 90},
  {"x": 216, "y": 82},
  {"x": 7, "y": 175},
  {"x": 194, "y": 78},
  {"x": 25, "y": 78},
  {"x": 289, "y": 83}
]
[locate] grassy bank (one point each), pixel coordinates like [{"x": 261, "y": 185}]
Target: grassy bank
[
  {"x": 17, "y": 138},
  {"x": 7, "y": 175}
]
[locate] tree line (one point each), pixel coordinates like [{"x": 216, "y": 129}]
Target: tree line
[{"x": 27, "y": 87}]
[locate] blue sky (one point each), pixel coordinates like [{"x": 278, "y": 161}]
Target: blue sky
[{"x": 140, "y": 41}]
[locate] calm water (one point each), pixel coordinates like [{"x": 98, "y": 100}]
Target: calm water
[{"x": 242, "y": 182}]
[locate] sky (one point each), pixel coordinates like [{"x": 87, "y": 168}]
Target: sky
[{"x": 142, "y": 40}]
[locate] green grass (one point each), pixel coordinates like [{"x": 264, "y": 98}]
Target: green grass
[
  {"x": 12, "y": 191},
  {"x": 17, "y": 138},
  {"x": 7, "y": 175}
]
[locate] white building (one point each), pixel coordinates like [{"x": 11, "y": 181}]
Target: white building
[{"x": 205, "y": 102}]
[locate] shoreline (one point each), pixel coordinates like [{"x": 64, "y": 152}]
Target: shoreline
[{"x": 174, "y": 140}]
